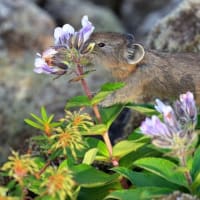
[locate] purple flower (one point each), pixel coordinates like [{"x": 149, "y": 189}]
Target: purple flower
[
  {"x": 68, "y": 50},
  {"x": 161, "y": 134},
  {"x": 45, "y": 63},
  {"x": 169, "y": 115},
  {"x": 176, "y": 131},
  {"x": 155, "y": 127},
  {"x": 167, "y": 111},
  {"x": 186, "y": 108},
  {"x": 67, "y": 37},
  {"x": 62, "y": 35}
]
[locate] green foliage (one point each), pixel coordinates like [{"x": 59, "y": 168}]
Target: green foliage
[
  {"x": 44, "y": 123},
  {"x": 106, "y": 89},
  {"x": 146, "y": 109},
  {"x": 143, "y": 193},
  {"x": 163, "y": 168},
  {"x": 69, "y": 163}
]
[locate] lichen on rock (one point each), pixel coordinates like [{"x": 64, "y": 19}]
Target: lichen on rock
[{"x": 179, "y": 31}]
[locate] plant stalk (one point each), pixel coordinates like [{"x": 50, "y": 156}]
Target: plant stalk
[
  {"x": 97, "y": 114},
  {"x": 186, "y": 172}
]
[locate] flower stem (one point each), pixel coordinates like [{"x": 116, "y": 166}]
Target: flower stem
[
  {"x": 43, "y": 169},
  {"x": 186, "y": 172},
  {"x": 97, "y": 114}
]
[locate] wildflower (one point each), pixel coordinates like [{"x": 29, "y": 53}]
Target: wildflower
[
  {"x": 59, "y": 183},
  {"x": 67, "y": 37},
  {"x": 19, "y": 166},
  {"x": 78, "y": 120},
  {"x": 174, "y": 133},
  {"x": 67, "y": 51},
  {"x": 163, "y": 135},
  {"x": 50, "y": 63},
  {"x": 186, "y": 109},
  {"x": 68, "y": 138}
]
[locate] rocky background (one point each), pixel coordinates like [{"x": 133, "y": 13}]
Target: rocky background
[{"x": 26, "y": 27}]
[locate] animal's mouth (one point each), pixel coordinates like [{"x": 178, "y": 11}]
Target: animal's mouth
[{"x": 87, "y": 48}]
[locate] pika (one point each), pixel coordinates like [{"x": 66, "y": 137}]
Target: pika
[{"x": 148, "y": 74}]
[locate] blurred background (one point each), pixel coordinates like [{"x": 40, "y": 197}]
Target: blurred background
[{"x": 26, "y": 27}]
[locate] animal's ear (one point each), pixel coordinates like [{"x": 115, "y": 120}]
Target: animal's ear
[{"x": 135, "y": 53}]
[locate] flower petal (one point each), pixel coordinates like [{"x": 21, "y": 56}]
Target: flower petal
[
  {"x": 168, "y": 113},
  {"x": 58, "y": 32},
  {"x": 68, "y": 29},
  {"x": 42, "y": 67},
  {"x": 49, "y": 52},
  {"x": 87, "y": 28},
  {"x": 39, "y": 62},
  {"x": 154, "y": 127},
  {"x": 188, "y": 102},
  {"x": 38, "y": 70}
]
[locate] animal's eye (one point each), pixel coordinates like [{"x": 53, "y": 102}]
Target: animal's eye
[{"x": 101, "y": 44}]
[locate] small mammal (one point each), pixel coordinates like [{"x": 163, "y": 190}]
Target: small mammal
[{"x": 148, "y": 74}]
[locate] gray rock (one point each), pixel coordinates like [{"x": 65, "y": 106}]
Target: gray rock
[
  {"x": 178, "y": 195},
  {"x": 179, "y": 31},
  {"x": 23, "y": 26},
  {"x": 139, "y": 16},
  {"x": 112, "y": 4},
  {"x": 71, "y": 11}
]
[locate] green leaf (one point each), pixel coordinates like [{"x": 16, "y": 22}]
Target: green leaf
[
  {"x": 98, "y": 193},
  {"x": 146, "y": 109},
  {"x": 89, "y": 156},
  {"x": 137, "y": 135},
  {"x": 40, "y": 138},
  {"x": 98, "y": 129},
  {"x": 44, "y": 114},
  {"x": 142, "y": 152},
  {"x": 198, "y": 121},
  {"x": 78, "y": 101},
  {"x": 55, "y": 154},
  {"x": 144, "y": 193},
  {"x": 37, "y": 118},
  {"x": 124, "y": 147},
  {"x": 88, "y": 176},
  {"x": 50, "y": 118},
  {"x": 102, "y": 153},
  {"x": 99, "y": 97},
  {"x": 141, "y": 179},
  {"x": 109, "y": 114},
  {"x": 63, "y": 164},
  {"x": 56, "y": 124},
  {"x": 34, "y": 124},
  {"x": 196, "y": 184},
  {"x": 39, "y": 161},
  {"x": 163, "y": 168},
  {"x": 110, "y": 87},
  {"x": 35, "y": 185},
  {"x": 106, "y": 89},
  {"x": 196, "y": 163}
]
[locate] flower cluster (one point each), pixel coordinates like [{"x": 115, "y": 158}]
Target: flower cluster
[
  {"x": 78, "y": 120},
  {"x": 69, "y": 46},
  {"x": 19, "y": 166},
  {"x": 176, "y": 132},
  {"x": 69, "y": 136},
  {"x": 59, "y": 183}
]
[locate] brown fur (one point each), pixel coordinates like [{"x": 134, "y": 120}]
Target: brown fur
[{"x": 158, "y": 75}]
